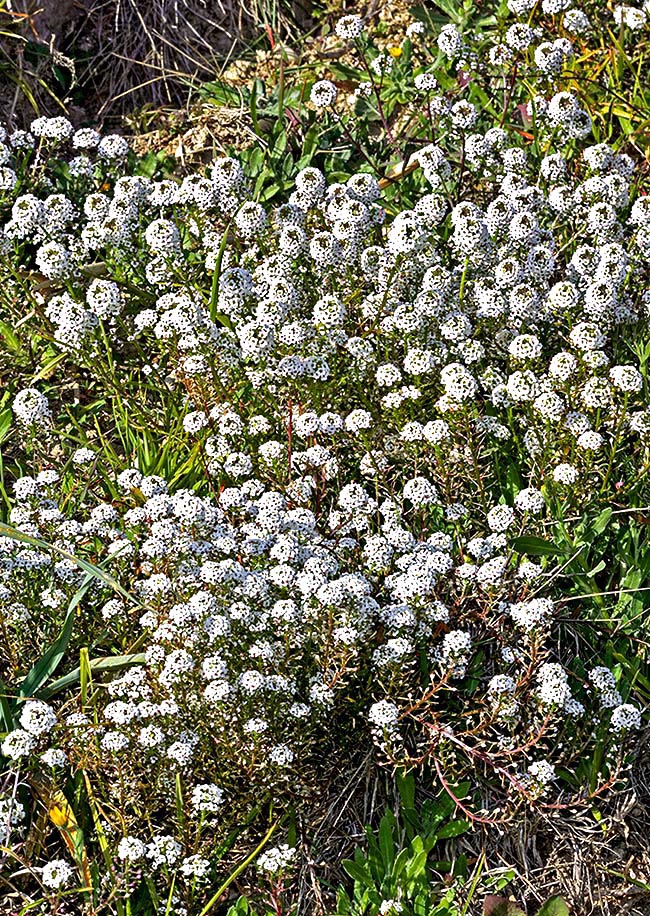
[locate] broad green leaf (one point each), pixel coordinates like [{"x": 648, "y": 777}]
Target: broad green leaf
[
  {"x": 9, "y": 337},
  {"x": 406, "y": 789},
  {"x": 357, "y": 871},
  {"x": 453, "y": 828},
  {"x": 386, "y": 843},
  {"x": 602, "y": 521},
  {"x": 270, "y": 191},
  {"x": 47, "y": 370},
  {"x": 537, "y": 547},
  {"x": 401, "y": 862},
  {"x": 240, "y": 908},
  {"x": 416, "y": 865}
]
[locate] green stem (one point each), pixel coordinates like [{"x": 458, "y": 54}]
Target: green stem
[{"x": 240, "y": 868}]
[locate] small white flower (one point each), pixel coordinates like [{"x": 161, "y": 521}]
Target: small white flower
[
  {"x": 56, "y": 874},
  {"x": 323, "y": 94}
]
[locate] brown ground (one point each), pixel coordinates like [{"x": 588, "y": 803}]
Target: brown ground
[
  {"x": 597, "y": 859},
  {"x": 203, "y": 130}
]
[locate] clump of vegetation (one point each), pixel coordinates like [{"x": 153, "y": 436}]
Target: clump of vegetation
[{"x": 300, "y": 460}]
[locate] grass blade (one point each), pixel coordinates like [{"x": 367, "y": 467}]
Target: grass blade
[
  {"x": 50, "y": 660},
  {"x": 90, "y": 568},
  {"x": 95, "y": 666}
]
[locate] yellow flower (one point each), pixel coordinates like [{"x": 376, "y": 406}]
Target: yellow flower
[
  {"x": 395, "y": 51},
  {"x": 60, "y": 816}
]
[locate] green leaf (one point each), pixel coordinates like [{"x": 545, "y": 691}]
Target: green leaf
[
  {"x": 6, "y": 418},
  {"x": 401, "y": 862},
  {"x": 554, "y": 906},
  {"x": 85, "y": 673},
  {"x": 343, "y": 903},
  {"x": 373, "y": 859},
  {"x": 280, "y": 140},
  {"x": 454, "y": 828},
  {"x": 460, "y": 867},
  {"x": 214, "y": 292},
  {"x": 252, "y": 105},
  {"x": 537, "y": 547},
  {"x": 50, "y": 660},
  {"x": 180, "y": 805},
  {"x": 96, "y": 813},
  {"x": 406, "y": 789},
  {"x": 6, "y": 718},
  {"x": 9, "y": 337},
  {"x": 386, "y": 843},
  {"x": 416, "y": 865},
  {"x": 46, "y": 371},
  {"x": 358, "y": 871},
  {"x": 90, "y": 568},
  {"x": 270, "y": 191},
  {"x": 602, "y": 521},
  {"x": 96, "y": 666}
]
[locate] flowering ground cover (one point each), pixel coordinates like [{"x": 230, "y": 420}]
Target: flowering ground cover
[{"x": 327, "y": 469}]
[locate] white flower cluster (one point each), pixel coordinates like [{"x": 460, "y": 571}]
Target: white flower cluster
[
  {"x": 459, "y": 351},
  {"x": 389, "y": 407},
  {"x": 31, "y": 408},
  {"x": 276, "y": 859}
]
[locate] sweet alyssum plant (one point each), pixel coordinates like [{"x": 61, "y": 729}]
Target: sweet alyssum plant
[{"x": 390, "y": 415}]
